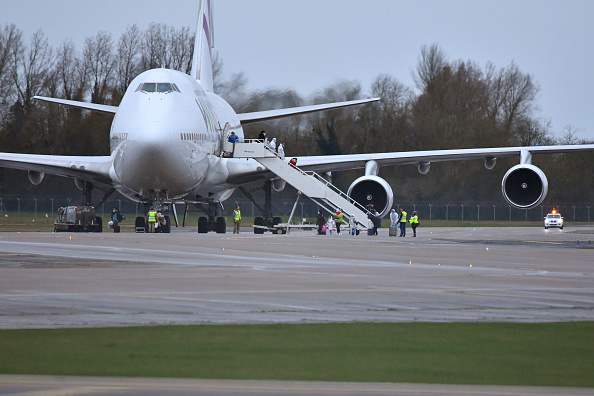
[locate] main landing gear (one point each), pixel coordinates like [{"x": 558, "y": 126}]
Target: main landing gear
[{"x": 212, "y": 222}]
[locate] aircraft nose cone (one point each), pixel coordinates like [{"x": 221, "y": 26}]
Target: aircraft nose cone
[{"x": 153, "y": 133}]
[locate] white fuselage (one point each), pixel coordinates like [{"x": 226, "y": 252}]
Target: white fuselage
[{"x": 166, "y": 138}]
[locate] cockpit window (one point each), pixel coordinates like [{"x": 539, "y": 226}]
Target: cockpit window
[
  {"x": 149, "y": 87},
  {"x": 162, "y": 87}
]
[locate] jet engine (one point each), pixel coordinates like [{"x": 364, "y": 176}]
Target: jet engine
[
  {"x": 35, "y": 177},
  {"x": 278, "y": 184},
  {"x": 524, "y": 186},
  {"x": 79, "y": 184},
  {"x": 368, "y": 189}
]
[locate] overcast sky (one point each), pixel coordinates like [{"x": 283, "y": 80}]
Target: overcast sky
[{"x": 309, "y": 44}]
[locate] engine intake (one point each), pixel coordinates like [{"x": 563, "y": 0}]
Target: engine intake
[
  {"x": 524, "y": 186},
  {"x": 368, "y": 189}
]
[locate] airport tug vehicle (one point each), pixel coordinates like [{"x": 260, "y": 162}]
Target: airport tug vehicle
[{"x": 77, "y": 219}]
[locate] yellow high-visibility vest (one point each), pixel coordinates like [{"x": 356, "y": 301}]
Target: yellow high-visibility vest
[
  {"x": 237, "y": 214},
  {"x": 152, "y": 216},
  {"x": 403, "y": 218}
]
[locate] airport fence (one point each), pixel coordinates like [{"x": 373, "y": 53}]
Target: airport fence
[{"x": 40, "y": 205}]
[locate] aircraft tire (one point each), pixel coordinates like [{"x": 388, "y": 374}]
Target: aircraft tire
[
  {"x": 202, "y": 225},
  {"x": 221, "y": 225},
  {"x": 276, "y": 220},
  {"x": 259, "y": 220}
]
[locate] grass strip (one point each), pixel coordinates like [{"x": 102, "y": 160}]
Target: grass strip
[{"x": 544, "y": 354}]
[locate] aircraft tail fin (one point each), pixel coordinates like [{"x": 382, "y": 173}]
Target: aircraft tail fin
[{"x": 202, "y": 58}]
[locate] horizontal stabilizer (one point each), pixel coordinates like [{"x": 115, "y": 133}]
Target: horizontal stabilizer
[
  {"x": 81, "y": 105},
  {"x": 248, "y": 118}
]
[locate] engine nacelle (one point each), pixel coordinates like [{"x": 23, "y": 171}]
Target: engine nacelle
[
  {"x": 424, "y": 167},
  {"x": 35, "y": 177},
  {"x": 278, "y": 184},
  {"x": 524, "y": 186},
  {"x": 79, "y": 184},
  {"x": 368, "y": 189}
]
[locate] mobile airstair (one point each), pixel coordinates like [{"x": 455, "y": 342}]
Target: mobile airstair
[{"x": 310, "y": 184}]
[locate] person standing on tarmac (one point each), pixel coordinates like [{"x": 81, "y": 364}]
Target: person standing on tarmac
[
  {"x": 236, "y": 220},
  {"x": 353, "y": 225},
  {"x": 320, "y": 222},
  {"x": 116, "y": 217},
  {"x": 414, "y": 222},
  {"x": 152, "y": 219},
  {"x": 338, "y": 218},
  {"x": 402, "y": 220},
  {"x": 393, "y": 218}
]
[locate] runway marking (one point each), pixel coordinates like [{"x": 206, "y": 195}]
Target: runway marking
[
  {"x": 547, "y": 242},
  {"x": 481, "y": 293}
]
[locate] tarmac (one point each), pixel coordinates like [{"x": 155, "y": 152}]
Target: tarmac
[{"x": 445, "y": 274}]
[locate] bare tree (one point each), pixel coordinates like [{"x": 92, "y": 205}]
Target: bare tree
[
  {"x": 180, "y": 49},
  {"x": 10, "y": 43},
  {"x": 128, "y": 58},
  {"x": 32, "y": 68},
  {"x": 430, "y": 64},
  {"x": 71, "y": 73},
  {"x": 531, "y": 132},
  {"x": 569, "y": 136},
  {"x": 511, "y": 94},
  {"x": 330, "y": 128},
  {"x": 164, "y": 46},
  {"x": 98, "y": 58}
]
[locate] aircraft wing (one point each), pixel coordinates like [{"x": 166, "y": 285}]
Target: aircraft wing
[
  {"x": 333, "y": 163},
  {"x": 328, "y": 163},
  {"x": 92, "y": 168},
  {"x": 248, "y": 118},
  {"x": 81, "y": 105}
]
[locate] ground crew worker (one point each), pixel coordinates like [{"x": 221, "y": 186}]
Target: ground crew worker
[
  {"x": 115, "y": 219},
  {"x": 232, "y": 139},
  {"x": 338, "y": 218},
  {"x": 402, "y": 220},
  {"x": 414, "y": 222},
  {"x": 236, "y": 220},
  {"x": 152, "y": 219}
]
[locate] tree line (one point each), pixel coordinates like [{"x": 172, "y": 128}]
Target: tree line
[{"x": 454, "y": 104}]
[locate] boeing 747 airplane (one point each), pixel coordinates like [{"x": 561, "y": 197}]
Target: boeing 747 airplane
[{"x": 167, "y": 136}]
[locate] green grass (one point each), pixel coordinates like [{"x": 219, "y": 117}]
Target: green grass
[{"x": 547, "y": 354}]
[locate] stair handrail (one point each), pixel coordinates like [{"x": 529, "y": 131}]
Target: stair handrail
[{"x": 320, "y": 178}]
